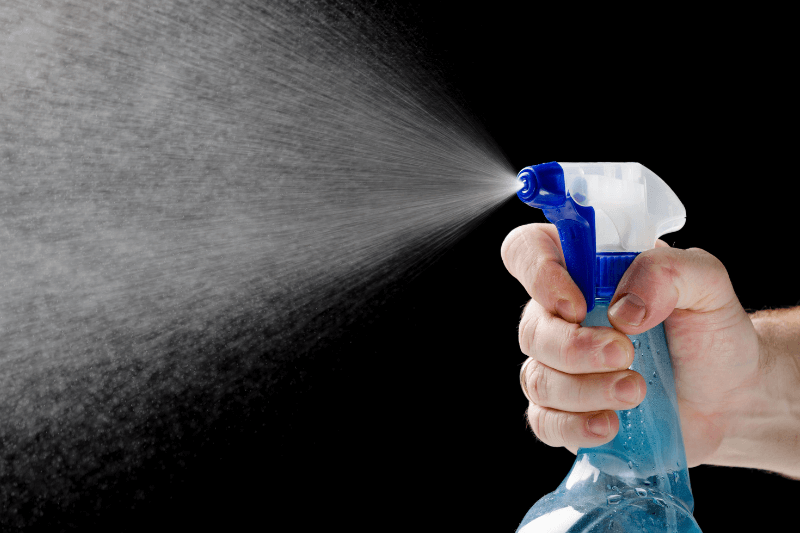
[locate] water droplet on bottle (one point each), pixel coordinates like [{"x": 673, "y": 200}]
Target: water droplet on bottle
[
  {"x": 676, "y": 477},
  {"x": 654, "y": 374},
  {"x": 646, "y": 482},
  {"x": 630, "y": 465},
  {"x": 636, "y": 344},
  {"x": 608, "y": 487},
  {"x": 641, "y": 492},
  {"x": 650, "y": 382},
  {"x": 661, "y": 502},
  {"x": 614, "y": 499}
]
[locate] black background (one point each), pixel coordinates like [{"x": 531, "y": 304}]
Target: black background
[
  {"x": 419, "y": 425},
  {"x": 413, "y": 420}
]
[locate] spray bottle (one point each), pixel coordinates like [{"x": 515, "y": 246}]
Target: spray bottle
[{"x": 606, "y": 214}]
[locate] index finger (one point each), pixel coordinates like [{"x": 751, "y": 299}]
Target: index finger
[{"x": 532, "y": 254}]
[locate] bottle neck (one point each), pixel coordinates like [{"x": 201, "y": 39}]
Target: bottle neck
[{"x": 609, "y": 267}]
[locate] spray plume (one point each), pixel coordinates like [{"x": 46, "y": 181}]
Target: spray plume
[{"x": 185, "y": 184}]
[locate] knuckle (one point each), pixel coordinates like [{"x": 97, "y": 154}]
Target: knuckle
[
  {"x": 536, "y": 421},
  {"x": 527, "y": 329},
  {"x": 711, "y": 260},
  {"x": 549, "y": 426},
  {"x": 572, "y": 348},
  {"x": 536, "y": 383},
  {"x": 518, "y": 256}
]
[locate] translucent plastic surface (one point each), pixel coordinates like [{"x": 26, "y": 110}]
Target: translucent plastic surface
[
  {"x": 632, "y": 205},
  {"x": 637, "y": 482}
]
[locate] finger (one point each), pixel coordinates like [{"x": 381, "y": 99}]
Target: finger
[
  {"x": 570, "y": 348},
  {"x": 562, "y": 428},
  {"x": 533, "y": 255},
  {"x": 547, "y": 387},
  {"x": 664, "y": 279}
]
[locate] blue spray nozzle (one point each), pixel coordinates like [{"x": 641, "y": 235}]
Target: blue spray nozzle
[
  {"x": 544, "y": 189},
  {"x": 605, "y": 213}
]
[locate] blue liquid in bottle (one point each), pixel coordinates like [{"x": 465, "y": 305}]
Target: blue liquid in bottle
[{"x": 637, "y": 482}]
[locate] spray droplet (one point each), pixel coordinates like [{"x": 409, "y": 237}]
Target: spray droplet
[
  {"x": 614, "y": 499},
  {"x": 641, "y": 492}
]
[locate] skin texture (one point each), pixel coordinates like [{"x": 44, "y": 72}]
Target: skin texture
[{"x": 727, "y": 382}]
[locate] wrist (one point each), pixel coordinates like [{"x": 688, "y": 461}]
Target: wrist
[{"x": 764, "y": 432}]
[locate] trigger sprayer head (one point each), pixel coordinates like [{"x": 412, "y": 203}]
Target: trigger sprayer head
[{"x": 605, "y": 213}]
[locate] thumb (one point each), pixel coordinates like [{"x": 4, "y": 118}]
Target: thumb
[{"x": 664, "y": 279}]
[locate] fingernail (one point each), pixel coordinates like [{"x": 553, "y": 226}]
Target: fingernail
[
  {"x": 599, "y": 425},
  {"x": 565, "y": 309},
  {"x": 626, "y": 390},
  {"x": 615, "y": 356},
  {"x": 629, "y": 309}
]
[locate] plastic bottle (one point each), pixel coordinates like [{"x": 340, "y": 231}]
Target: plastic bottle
[{"x": 607, "y": 213}]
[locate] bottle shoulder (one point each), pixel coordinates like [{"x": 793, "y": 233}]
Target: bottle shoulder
[{"x": 626, "y": 513}]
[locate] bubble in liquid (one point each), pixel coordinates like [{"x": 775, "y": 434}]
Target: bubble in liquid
[{"x": 614, "y": 499}]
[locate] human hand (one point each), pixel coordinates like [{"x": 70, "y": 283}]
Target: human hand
[{"x": 572, "y": 371}]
